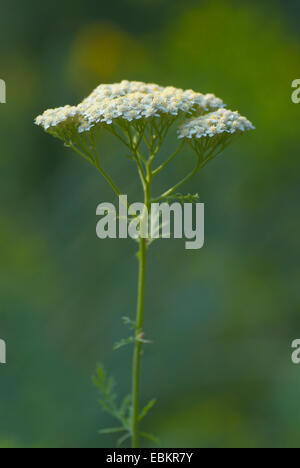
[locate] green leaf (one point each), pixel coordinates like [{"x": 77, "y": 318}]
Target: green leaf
[
  {"x": 125, "y": 404},
  {"x": 150, "y": 437},
  {"x": 130, "y": 323},
  {"x": 106, "y": 407},
  {"x": 183, "y": 198},
  {"x": 141, "y": 339},
  {"x": 104, "y": 383},
  {"x": 106, "y": 387},
  {"x": 112, "y": 430},
  {"x": 124, "y": 342},
  {"x": 146, "y": 409},
  {"x": 110, "y": 385},
  {"x": 100, "y": 379},
  {"x": 123, "y": 439}
]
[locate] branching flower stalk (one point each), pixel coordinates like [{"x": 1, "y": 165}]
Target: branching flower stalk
[{"x": 140, "y": 115}]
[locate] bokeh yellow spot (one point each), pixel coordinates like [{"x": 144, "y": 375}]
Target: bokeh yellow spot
[{"x": 102, "y": 52}]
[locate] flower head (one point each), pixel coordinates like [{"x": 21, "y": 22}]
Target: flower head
[
  {"x": 222, "y": 121},
  {"x": 55, "y": 117},
  {"x": 129, "y": 101},
  {"x": 150, "y": 110},
  {"x": 136, "y": 100}
]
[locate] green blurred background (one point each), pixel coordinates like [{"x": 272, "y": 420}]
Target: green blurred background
[{"x": 222, "y": 318}]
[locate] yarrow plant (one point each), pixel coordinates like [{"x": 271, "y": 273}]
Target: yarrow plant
[{"x": 140, "y": 115}]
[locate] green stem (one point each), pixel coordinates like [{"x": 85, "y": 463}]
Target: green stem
[
  {"x": 137, "y": 347},
  {"x": 89, "y": 157},
  {"x": 139, "y": 322},
  {"x": 177, "y": 186},
  {"x": 108, "y": 179},
  {"x": 163, "y": 165},
  {"x": 200, "y": 164}
]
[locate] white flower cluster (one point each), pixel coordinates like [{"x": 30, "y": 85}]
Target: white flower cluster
[
  {"x": 54, "y": 117},
  {"x": 130, "y": 101},
  {"x": 135, "y": 100},
  {"x": 121, "y": 89},
  {"x": 215, "y": 123}
]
